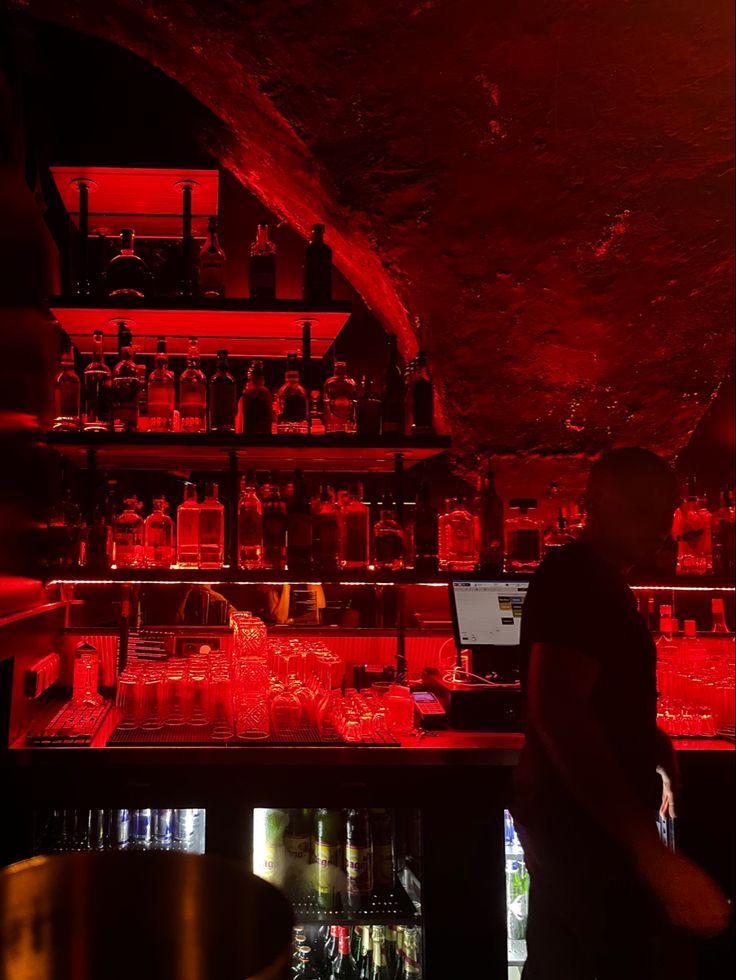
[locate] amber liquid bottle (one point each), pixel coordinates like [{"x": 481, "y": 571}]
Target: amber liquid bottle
[
  {"x": 262, "y": 271},
  {"x": 223, "y": 396},
  {"x": 212, "y": 263},
  {"x": 193, "y": 393},
  {"x": 256, "y": 404}
]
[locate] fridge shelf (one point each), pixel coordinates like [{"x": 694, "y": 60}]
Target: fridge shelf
[
  {"x": 246, "y": 327},
  {"x": 186, "y": 452},
  {"x": 394, "y": 908}
]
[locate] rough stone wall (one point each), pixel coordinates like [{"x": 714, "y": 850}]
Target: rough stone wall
[{"x": 539, "y": 192}]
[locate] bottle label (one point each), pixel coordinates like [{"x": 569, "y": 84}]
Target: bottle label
[
  {"x": 327, "y": 859},
  {"x": 526, "y": 545},
  {"x": 294, "y": 408},
  {"x": 297, "y": 846},
  {"x": 359, "y": 869}
]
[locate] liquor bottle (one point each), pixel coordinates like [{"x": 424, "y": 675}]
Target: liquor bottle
[
  {"x": 193, "y": 393},
  {"x": 491, "y": 526},
  {"x": 345, "y": 968},
  {"x": 355, "y": 531},
  {"x": 274, "y": 529},
  {"x": 316, "y": 414},
  {"x": 692, "y": 531},
  {"x": 388, "y": 538},
  {"x": 327, "y": 837},
  {"x": 358, "y": 858},
  {"x": 299, "y": 528},
  {"x": 318, "y": 268},
  {"x": 426, "y": 545},
  {"x": 365, "y": 967},
  {"x": 143, "y": 420},
  {"x": 128, "y": 536},
  {"x": 326, "y": 541},
  {"x": 250, "y": 527},
  {"x": 420, "y": 399},
  {"x": 97, "y": 390},
  {"x": 66, "y": 392},
  {"x": 65, "y": 520},
  {"x": 262, "y": 272},
  {"x": 187, "y": 529},
  {"x": 125, "y": 393},
  {"x": 211, "y": 529},
  {"x": 718, "y": 614},
  {"x": 368, "y": 411},
  {"x": 723, "y": 533},
  {"x": 291, "y": 401},
  {"x": 410, "y": 957},
  {"x": 392, "y": 397},
  {"x": 256, "y": 404},
  {"x": 558, "y": 537},
  {"x": 99, "y": 541},
  {"x": 161, "y": 392},
  {"x": 340, "y": 396},
  {"x": 384, "y": 865},
  {"x": 159, "y": 536},
  {"x": 223, "y": 396},
  {"x": 378, "y": 947},
  {"x": 523, "y": 536},
  {"x": 212, "y": 264},
  {"x": 457, "y": 538},
  {"x": 391, "y": 947},
  {"x": 127, "y": 274}
]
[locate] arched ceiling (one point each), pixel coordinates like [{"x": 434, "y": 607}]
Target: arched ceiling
[{"x": 539, "y": 192}]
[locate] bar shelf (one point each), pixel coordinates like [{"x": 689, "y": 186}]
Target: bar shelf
[
  {"x": 214, "y": 451},
  {"x": 246, "y": 327},
  {"x": 227, "y": 576}
]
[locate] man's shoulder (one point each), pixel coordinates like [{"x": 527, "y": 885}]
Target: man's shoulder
[{"x": 570, "y": 561}]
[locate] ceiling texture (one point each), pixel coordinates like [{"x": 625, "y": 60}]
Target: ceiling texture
[{"x": 539, "y": 194}]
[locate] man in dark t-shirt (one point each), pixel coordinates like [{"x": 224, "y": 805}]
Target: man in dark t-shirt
[{"x": 607, "y": 900}]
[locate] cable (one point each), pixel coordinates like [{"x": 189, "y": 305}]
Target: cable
[{"x": 459, "y": 676}]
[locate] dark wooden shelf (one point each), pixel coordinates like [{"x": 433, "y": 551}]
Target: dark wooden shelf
[
  {"x": 245, "y": 327},
  {"x": 187, "y": 452}
]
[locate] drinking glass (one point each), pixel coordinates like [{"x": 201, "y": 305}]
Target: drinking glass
[
  {"x": 153, "y": 688},
  {"x": 177, "y": 696},
  {"x": 221, "y": 707},
  {"x": 400, "y": 709},
  {"x": 126, "y": 701},
  {"x": 286, "y": 712},
  {"x": 198, "y": 697},
  {"x": 251, "y": 717}
]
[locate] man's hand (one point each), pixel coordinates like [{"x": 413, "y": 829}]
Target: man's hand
[
  {"x": 667, "y": 808},
  {"x": 691, "y": 900}
]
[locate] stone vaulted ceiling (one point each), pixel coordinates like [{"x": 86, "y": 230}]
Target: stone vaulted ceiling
[{"x": 539, "y": 193}]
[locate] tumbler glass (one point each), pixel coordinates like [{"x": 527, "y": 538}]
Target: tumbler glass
[{"x": 251, "y": 717}]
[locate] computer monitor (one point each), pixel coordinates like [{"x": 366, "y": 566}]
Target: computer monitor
[{"x": 486, "y": 615}]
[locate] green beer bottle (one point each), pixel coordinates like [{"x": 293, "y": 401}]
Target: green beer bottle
[{"x": 327, "y": 840}]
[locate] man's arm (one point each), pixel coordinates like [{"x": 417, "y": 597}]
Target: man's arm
[
  {"x": 560, "y": 687},
  {"x": 669, "y": 769}
]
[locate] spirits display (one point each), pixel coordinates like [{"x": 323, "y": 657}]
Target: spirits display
[
  {"x": 318, "y": 268},
  {"x": 420, "y": 399},
  {"x": 355, "y": 531},
  {"x": 250, "y": 527},
  {"x": 161, "y": 392},
  {"x": 158, "y": 545},
  {"x": 223, "y": 397},
  {"x": 491, "y": 526},
  {"x": 187, "y": 529},
  {"x": 127, "y": 536},
  {"x": 66, "y": 393},
  {"x": 212, "y": 263},
  {"x": 340, "y": 396},
  {"x": 392, "y": 398},
  {"x": 388, "y": 539},
  {"x": 97, "y": 389},
  {"x": 291, "y": 402},
  {"x": 211, "y": 530},
  {"x": 368, "y": 411},
  {"x": 256, "y": 404},
  {"x": 262, "y": 271},
  {"x": 125, "y": 385},
  {"x": 127, "y": 274},
  {"x": 458, "y": 550},
  {"x": 193, "y": 393},
  {"x": 523, "y": 536}
]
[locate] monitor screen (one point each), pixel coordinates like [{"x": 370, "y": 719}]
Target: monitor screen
[{"x": 488, "y": 613}]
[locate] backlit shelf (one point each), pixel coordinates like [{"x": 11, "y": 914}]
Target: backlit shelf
[
  {"x": 188, "y": 452},
  {"x": 230, "y": 576}
]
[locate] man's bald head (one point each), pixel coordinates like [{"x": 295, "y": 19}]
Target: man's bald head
[{"x": 630, "y": 498}]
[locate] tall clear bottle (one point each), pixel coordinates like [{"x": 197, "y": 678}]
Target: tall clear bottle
[
  {"x": 125, "y": 385},
  {"x": 161, "y": 392},
  {"x": 193, "y": 393},
  {"x": 388, "y": 538},
  {"x": 355, "y": 531},
  {"x": 256, "y": 404},
  {"x": 223, "y": 396},
  {"x": 318, "y": 268},
  {"x": 187, "y": 529},
  {"x": 457, "y": 538},
  {"x": 97, "y": 389},
  {"x": 127, "y": 274},
  {"x": 250, "y": 527},
  {"x": 158, "y": 547},
  {"x": 262, "y": 271},
  {"x": 291, "y": 402},
  {"x": 66, "y": 392},
  {"x": 211, "y": 530},
  {"x": 212, "y": 264},
  {"x": 340, "y": 398}
]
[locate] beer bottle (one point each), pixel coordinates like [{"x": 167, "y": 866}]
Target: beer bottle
[
  {"x": 384, "y": 868},
  {"x": 411, "y": 955},
  {"x": 327, "y": 854},
  {"x": 330, "y": 950},
  {"x": 297, "y": 842},
  {"x": 358, "y": 858},
  {"x": 366, "y": 957},
  {"x": 344, "y": 968},
  {"x": 391, "y": 949},
  {"x": 380, "y": 968}
]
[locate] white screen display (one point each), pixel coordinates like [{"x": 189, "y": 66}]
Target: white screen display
[{"x": 489, "y": 613}]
